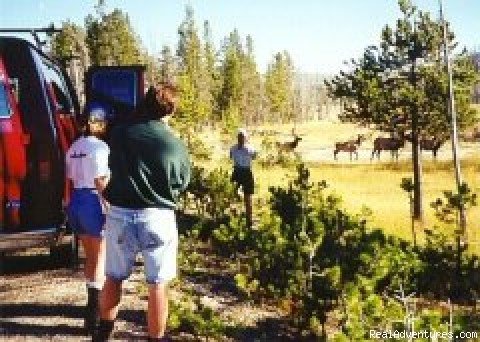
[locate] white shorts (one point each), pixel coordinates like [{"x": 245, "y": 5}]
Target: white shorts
[{"x": 151, "y": 231}]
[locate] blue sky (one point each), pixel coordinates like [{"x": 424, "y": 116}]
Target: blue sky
[{"x": 319, "y": 34}]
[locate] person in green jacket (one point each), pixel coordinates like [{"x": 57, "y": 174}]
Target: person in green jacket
[{"x": 150, "y": 167}]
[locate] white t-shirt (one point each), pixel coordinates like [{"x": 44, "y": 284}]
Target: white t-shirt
[
  {"x": 242, "y": 157},
  {"x": 86, "y": 160}
]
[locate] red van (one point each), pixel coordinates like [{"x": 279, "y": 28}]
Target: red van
[{"x": 38, "y": 112}]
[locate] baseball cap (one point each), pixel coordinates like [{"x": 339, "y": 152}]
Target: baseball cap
[{"x": 97, "y": 112}]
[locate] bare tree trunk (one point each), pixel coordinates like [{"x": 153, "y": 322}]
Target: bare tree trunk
[
  {"x": 453, "y": 117},
  {"x": 416, "y": 156},
  {"x": 417, "y": 178}
]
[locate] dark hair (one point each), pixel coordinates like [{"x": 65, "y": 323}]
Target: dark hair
[{"x": 159, "y": 101}]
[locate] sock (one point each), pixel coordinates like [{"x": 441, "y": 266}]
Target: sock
[
  {"x": 91, "y": 310},
  {"x": 95, "y": 284},
  {"x": 103, "y": 331}
]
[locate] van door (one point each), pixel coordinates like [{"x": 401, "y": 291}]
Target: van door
[
  {"x": 47, "y": 117},
  {"x": 63, "y": 112},
  {"x": 13, "y": 164},
  {"x": 61, "y": 107}
]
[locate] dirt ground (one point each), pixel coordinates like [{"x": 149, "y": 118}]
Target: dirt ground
[{"x": 42, "y": 301}]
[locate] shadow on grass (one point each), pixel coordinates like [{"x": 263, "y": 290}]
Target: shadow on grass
[
  {"x": 186, "y": 221},
  {"x": 213, "y": 283},
  {"x": 269, "y": 329}
]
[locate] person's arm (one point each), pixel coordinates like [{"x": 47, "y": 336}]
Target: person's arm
[
  {"x": 68, "y": 164},
  {"x": 68, "y": 169},
  {"x": 100, "y": 185},
  {"x": 102, "y": 173},
  {"x": 253, "y": 153}
]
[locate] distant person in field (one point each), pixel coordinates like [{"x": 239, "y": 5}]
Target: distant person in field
[
  {"x": 150, "y": 168},
  {"x": 87, "y": 167},
  {"x": 242, "y": 155}
]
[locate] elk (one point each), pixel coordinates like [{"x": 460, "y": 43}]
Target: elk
[
  {"x": 288, "y": 146},
  {"x": 428, "y": 144},
  {"x": 387, "y": 144},
  {"x": 350, "y": 146},
  {"x": 432, "y": 144}
]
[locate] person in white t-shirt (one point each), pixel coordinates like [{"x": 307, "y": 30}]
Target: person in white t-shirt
[
  {"x": 242, "y": 155},
  {"x": 87, "y": 168}
]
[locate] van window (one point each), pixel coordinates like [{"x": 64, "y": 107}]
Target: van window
[
  {"x": 5, "y": 111},
  {"x": 121, "y": 85},
  {"x": 56, "y": 83}
]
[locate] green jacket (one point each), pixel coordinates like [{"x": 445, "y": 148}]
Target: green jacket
[{"x": 149, "y": 166}]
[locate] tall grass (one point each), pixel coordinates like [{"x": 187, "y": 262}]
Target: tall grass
[
  {"x": 377, "y": 186},
  {"x": 363, "y": 183}
]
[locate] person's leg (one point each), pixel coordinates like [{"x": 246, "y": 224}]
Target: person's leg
[
  {"x": 157, "y": 310},
  {"x": 248, "y": 208},
  {"x": 94, "y": 271},
  {"x": 120, "y": 257},
  {"x": 85, "y": 214},
  {"x": 110, "y": 299},
  {"x": 94, "y": 248},
  {"x": 109, "y": 304},
  {"x": 248, "y": 190},
  {"x": 159, "y": 240}
]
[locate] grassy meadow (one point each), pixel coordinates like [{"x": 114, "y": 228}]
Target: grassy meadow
[
  {"x": 374, "y": 184},
  {"x": 377, "y": 186}
]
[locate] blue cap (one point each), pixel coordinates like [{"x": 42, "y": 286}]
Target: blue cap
[{"x": 97, "y": 112}]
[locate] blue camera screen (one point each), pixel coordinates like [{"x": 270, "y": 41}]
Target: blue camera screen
[{"x": 120, "y": 85}]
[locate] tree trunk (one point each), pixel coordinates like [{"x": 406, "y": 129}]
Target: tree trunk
[
  {"x": 416, "y": 154},
  {"x": 417, "y": 177}
]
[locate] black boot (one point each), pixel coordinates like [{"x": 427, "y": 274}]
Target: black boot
[
  {"x": 103, "y": 331},
  {"x": 91, "y": 310}
]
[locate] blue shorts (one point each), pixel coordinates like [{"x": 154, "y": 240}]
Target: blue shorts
[
  {"x": 151, "y": 231},
  {"x": 85, "y": 214}
]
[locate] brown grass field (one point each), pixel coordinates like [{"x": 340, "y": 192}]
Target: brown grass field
[
  {"x": 377, "y": 187},
  {"x": 374, "y": 184}
]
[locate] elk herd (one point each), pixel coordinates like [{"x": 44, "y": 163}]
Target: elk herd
[{"x": 392, "y": 144}]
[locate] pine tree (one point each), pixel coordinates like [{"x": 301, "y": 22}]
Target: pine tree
[
  {"x": 153, "y": 68},
  {"x": 111, "y": 39},
  {"x": 279, "y": 87},
  {"x": 167, "y": 65},
  {"x": 401, "y": 85},
  {"x": 211, "y": 75},
  {"x": 251, "y": 96},
  {"x": 191, "y": 110},
  {"x": 230, "y": 95},
  {"x": 69, "y": 47}
]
